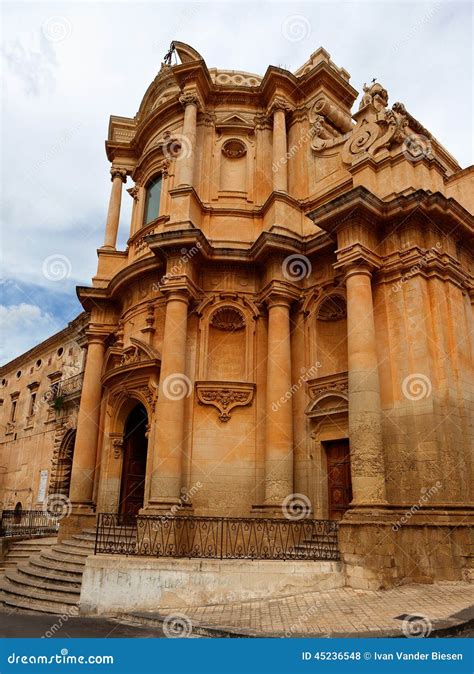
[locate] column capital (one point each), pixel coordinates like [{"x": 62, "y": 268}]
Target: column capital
[
  {"x": 357, "y": 259},
  {"x": 179, "y": 287},
  {"x": 279, "y": 293},
  {"x": 279, "y": 103},
  {"x": 117, "y": 172},
  {"x": 190, "y": 98},
  {"x": 94, "y": 337}
]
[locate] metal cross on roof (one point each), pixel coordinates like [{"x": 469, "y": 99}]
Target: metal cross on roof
[{"x": 169, "y": 54}]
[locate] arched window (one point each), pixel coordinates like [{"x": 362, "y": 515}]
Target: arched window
[{"x": 152, "y": 200}]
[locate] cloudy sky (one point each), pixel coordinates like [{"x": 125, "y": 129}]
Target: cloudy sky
[{"x": 68, "y": 66}]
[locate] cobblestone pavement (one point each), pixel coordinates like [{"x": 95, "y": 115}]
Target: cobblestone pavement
[{"x": 343, "y": 612}]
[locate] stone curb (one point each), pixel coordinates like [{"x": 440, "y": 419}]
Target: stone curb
[{"x": 448, "y": 627}]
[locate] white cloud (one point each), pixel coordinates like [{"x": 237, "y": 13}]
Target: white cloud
[{"x": 23, "y": 326}]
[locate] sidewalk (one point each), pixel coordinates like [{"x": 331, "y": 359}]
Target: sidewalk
[{"x": 406, "y": 611}]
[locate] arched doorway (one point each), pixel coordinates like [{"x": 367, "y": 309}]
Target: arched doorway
[{"x": 135, "y": 444}]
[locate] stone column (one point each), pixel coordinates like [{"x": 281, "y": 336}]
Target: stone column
[
  {"x": 365, "y": 415},
  {"x": 119, "y": 176},
  {"x": 185, "y": 163},
  {"x": 85, "y": 449},
  {"x": 279, "y": 417},
  {"x": 175, "y": 387},
  {"x": 279, "y": 158}
]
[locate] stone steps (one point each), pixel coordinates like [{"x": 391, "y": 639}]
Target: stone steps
[
  {"x": 49, "y": 580},
  {"x": 21, "y": 551}
]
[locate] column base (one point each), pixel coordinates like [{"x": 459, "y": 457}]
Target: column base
[
  {"x": 272, "y": 510},
  {"x": 396, "y": 544},
  {"x": 82, "y": 517},
  {"x": 173, "y": 507}
]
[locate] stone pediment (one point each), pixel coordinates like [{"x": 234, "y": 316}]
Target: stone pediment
[
  {"x": 234, "y": 122},
  {"x": 136, "y": 353}
]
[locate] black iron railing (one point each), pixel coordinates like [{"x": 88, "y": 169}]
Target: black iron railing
[
  {"x": 28, "y": 523},
  {"x": 217, "y": 537}
]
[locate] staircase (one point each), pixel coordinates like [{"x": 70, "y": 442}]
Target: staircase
[
  {"x": 21, "y": 551},
  {"x": 49, "y": 580}
]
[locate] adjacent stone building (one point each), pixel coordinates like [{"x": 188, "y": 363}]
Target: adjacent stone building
[
  {"x": 290, "y": 325},
  {"x": 39, "y": 396}
]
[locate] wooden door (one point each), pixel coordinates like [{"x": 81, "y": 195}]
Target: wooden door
[
  {"x": 339, "y": 478},
  {"x": 134, "y": 463}
]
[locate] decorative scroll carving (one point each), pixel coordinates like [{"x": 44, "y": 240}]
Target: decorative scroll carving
[
  {"x": 133, "y": 192},
  {"x": 329, "y": 395},
  {"x": 227, "y": 318},
  {"x": 224, "y": 396}
]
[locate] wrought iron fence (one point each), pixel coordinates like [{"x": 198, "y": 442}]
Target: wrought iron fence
[
  {"x": 70, "y": 386},
  {"x": 217, "y": 537},
  {"x": 28, "y": 523}
]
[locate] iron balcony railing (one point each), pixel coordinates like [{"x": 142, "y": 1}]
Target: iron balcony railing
[
  {"x": 69, "y": 387},
  {"x": 28, "y": 523},
  {"x": 217, "y": 537}
]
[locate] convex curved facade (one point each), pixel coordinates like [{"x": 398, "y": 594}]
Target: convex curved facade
[{"x": 290, "y": 325}]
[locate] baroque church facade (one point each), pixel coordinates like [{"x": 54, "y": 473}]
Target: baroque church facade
[{"x": 290, "y": 328}]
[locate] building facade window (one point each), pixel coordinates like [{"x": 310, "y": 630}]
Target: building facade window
[
  {"x": 152, "y": 200},
  {"x": 32, "y": 407},
  {"x": 13, "y": 410}
]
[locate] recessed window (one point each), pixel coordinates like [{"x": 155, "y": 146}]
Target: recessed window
[
  {"x": 13, "y": 410},
  {"x": 38, "y": 362},
  {"x": 32, "y": 408},
  {"x": 60, "y": 351},
  {"x": 18, "y": 374},
  {"x": 4, "y": 382},
  {"x": 152, "y": 200}
]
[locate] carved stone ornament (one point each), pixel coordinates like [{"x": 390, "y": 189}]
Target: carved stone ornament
[
  {"x": 131, "y": 355},
  {"x": 133, "y": 192},
  {"x": 228, "y": 318},
  {"x": 189, "y": 98},
  {"x": 377, "y": 128},
  {"x": 332, "y": 308},
  {"x": 224, "y": 396},
  {"x": 234, "y": 148},
  {"x": 117, "y": 444}
]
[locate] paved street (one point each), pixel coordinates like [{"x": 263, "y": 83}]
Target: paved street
[
  {"x": 32, "y": 625},
  {"x": 403, "y": 611}
]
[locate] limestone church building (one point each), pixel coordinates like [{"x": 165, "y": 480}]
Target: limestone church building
[{"x": 288, "y": 330}]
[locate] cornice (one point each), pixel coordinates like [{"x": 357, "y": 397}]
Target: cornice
[{"x": 361, "y": 203}]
